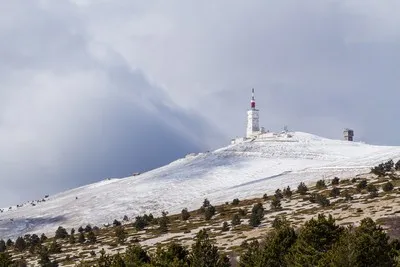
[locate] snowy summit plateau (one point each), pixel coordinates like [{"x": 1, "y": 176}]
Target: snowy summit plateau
[{"x": 259, "y": 163}]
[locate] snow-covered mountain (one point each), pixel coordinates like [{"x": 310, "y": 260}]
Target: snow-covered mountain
[{"x": 242, "y": 170}]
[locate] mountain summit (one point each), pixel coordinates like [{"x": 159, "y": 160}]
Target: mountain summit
[{"x": 241, "y": 170}]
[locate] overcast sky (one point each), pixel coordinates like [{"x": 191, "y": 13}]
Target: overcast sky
[{"x": 91, "y": 89}]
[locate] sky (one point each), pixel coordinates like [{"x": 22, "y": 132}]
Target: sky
[{"x": 95, "y": 89}]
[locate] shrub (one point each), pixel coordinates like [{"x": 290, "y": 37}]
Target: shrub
[
  {"x": 372, "y": 188},
  {"x": 362, "y": 185},
  {"x": 334, "y": 192},
  {"x": 320, "y": 184},
  {"x": 302, "y": 189},
  {"x": 242, "y": 212},
  {"x": 235, "y": 201},
  {"x": 265, "y": 196},
  {"x": 235, "y": 220},
  {"x": 347, "y": 196},
  {"x": 335, "y": 181},
  {"x": 387, "y": 187},
  {"x": 185, "y": 215}
]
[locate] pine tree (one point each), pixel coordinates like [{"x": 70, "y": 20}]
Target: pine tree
[
  {"x": 276, "y": 204},
  {"x": 225, "y": 227},
  {"x": 5, "y": 259},
  {"x": 235, "y": 220},
  {"x": 81, "y": 238},
  {"x": 204, "y": 253},
  {"x": 20, "y": 244},
  {"x": 91, "y": 237},
  {"x": 257, "y": 213},
  {"x": 136, "y": 256},
  {"x": 61, "y": 233},
  {"x": 315, "y": 238},
  {"x": 302, "y": 189},
  {"x": 43, "y": 238},
  {"x": 120, "y": 234},
  {"x": 287, "y": 192},
  {"x": 2, "y": 246},
  {"x": 185, "y": 214}
]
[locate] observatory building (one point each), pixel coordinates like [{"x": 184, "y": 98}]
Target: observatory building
[{"x": 348, "y": 134}]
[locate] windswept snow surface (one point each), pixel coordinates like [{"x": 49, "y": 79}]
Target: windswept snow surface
[{"x": 242, "y": 170}]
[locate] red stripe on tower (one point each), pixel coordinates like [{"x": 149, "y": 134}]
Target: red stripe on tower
[{"x": 253, "y": 101}]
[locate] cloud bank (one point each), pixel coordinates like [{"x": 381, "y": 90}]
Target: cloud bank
[{"x": 94, "y": 89}]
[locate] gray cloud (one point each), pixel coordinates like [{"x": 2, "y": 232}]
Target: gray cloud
[
  {"x": 73, "y": 111},
  {"x": 91, "y": 89}
]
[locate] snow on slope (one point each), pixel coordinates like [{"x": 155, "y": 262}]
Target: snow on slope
[{"x": 242, "y": 170}]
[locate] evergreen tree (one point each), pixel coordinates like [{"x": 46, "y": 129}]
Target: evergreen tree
[
  {"x": 257, "y": 213},
  {"x": 372, "y": 245},
  {"x": 81, "y": 238},
  {"x": 335, "y": 192},
  {"x": 320, "y": 184},
  {"x": 278, "y": 194},
  {"x": 225, "y": 227},
  {"x": 120, "y": 234},
  {"x": 235, "y": 220},
  {"x": 61, "y": 233},
  {"x": 163, "y": 223},
  {"x": 185, "y": 214},
  {"x": 315, "y": 238},
  {"x": 20, "y": 244},
  {"x": 397, "y": 166},
  {"x": 276, "y": 204},
  {"x": 9, "y": 243},
  {"x": 387, "y": 187},
  {"x": 335, "y": 181},
  {"x": 140, "y": 223},
  {"x": 251, "y": 257},
  {"x": 2, "y": 246},
  {"x": 5, "y": 259},
  {"x": 43, "y": 238},
  {"x": 173, "y": 255},
  {"x": 105, "y": 260},
  {"x": 236, "y": 201},
  {"x": 302, "y": 189},
  {"x": 209, "y": 212},
  {"x": 54, "y": 247},
  {"x": 204, "y": 253},
  {"x": 287, "y": 193},
  {"x": 116, "y": 223},
  {"x": 117, "y": 261},
  {"x": 72, "y": 239},
  {"x": 91, "y": 237},
  {"x": 136, "y": 256}
]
